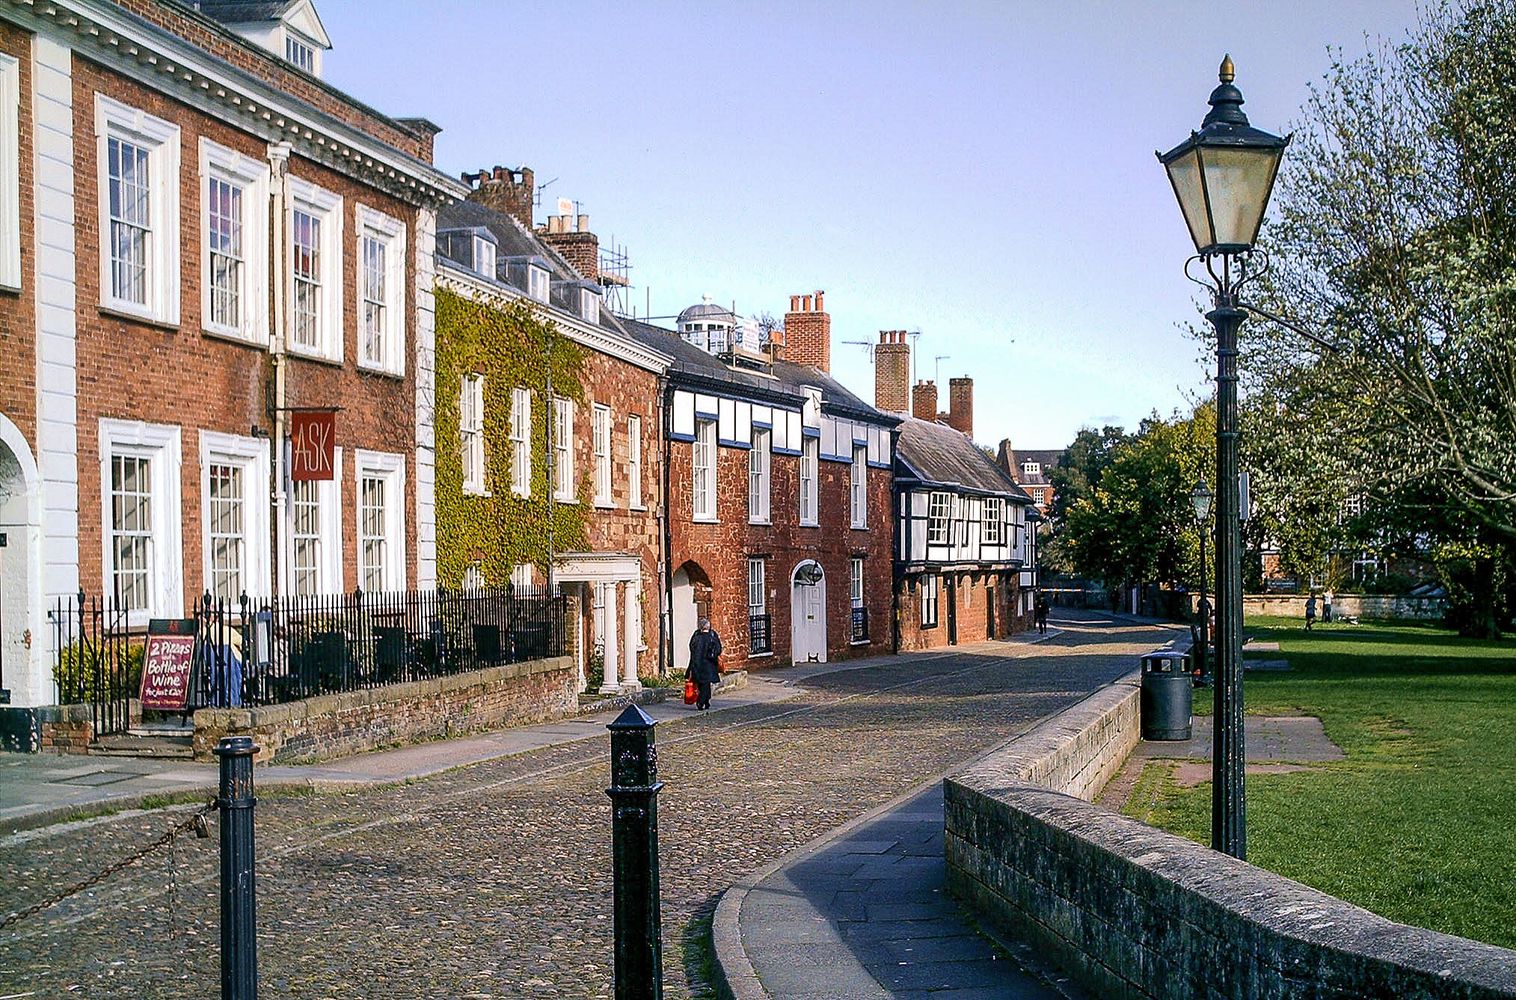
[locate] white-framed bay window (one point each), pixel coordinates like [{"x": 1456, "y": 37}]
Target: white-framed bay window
[
  {"x": 315, "y": 292},
  {"x": 141, "y": 539},
  {"x": 379, "y": 482},
  {"x": 938, "y": 518},
  {"x": 858, "y": 486},
  {"x": 381, "y": 292},
  {"x": 138, "y": 169},
  {"x": 994, "y": 521},
  {"x": 759, "y": 459},
  {"x": 703, "y": 456},
  {"x": 313, "y": 518},
  {"x": 10, "y": 172},
  {"x": 233, "y": 244},
  {"x": 471, "y": 433},
  {"x": 601, "y": 433},
  {"x": 634, "y": 463},
  {"x": 563, "y": 450},
  {"x": 234, "y": 516},
  {"x": 810, "y": 457},
  {"x": 521, "y": 441}
]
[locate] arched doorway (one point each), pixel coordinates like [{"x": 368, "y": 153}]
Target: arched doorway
[
  {"x": 691, "y": 602},
  {"x": 808, "y": 613},
  {"x": 21, "y": 640}
]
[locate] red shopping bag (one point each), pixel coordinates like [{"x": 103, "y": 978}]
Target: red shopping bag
[{"x": 689, "y": 692}]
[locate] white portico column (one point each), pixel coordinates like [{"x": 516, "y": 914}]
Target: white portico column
[
  {"x": 632, "y": 633},
  {"x": 607, "y": 637}
]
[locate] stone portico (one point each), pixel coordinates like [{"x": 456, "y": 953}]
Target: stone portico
[{"x": 612, "y": 587}]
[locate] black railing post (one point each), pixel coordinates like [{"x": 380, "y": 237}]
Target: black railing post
[
  {"x": 634, "y": 848},
  {"x": 239, "y": 942}
]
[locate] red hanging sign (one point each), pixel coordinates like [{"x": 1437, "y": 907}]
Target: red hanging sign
[{"x": 313, "y": 435}]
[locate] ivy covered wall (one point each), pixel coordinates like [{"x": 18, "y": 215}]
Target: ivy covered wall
[{"x": 512, "y": 345}]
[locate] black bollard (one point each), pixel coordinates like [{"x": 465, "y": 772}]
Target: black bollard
[
  {"x": 634, "y": 848},
  {"x": 239, "y": 943}
]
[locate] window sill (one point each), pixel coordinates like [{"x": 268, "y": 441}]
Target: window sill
[
  {"x": 860, "y": 527},
  {"x": 307, "y": 354},
  {"x": 605, "y": 505},
  {"x": 809, "y": 524},
  {"x": 563, "y": 499},
  {"x": 705, "y": 520},
  {"x": 8, "y": 288},
  {"x": 234, "y": 337},
  {"x": 469, "y": 492},
  {"x": 637, "y": 507},
  {"x": 375, "y": 368},
  {"x": 760, "y": 656},
  {"x": 138, "y": 316},
  {"x": 860, "y": 642},
  {"x": 765, "y": 523}
]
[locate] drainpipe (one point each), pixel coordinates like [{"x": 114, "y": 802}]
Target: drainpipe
[
  {"x": 899, "y": 547},
  {"x": 278, "y": 162},
  {"x": 665, "y": 623}
]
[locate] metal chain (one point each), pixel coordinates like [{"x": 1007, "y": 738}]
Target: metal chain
[{"x": 196, "y": 820}]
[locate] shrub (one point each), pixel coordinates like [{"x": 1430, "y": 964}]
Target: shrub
[{"x": 119, "y": 669}]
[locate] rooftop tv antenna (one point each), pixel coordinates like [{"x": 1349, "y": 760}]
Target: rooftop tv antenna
[
  {"x": 867, "y": 345},
  {"x": 937, "y": 366},
  {"x": 915, "y": 336},
  {"x": 537, "y": 193}
]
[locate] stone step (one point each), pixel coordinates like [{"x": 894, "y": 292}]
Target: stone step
[{"x": 132, "y": 745}]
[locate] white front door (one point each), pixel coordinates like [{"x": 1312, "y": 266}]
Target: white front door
[
  {"x": 808, "y": 614},
  {"x": 22, "y": 636}
]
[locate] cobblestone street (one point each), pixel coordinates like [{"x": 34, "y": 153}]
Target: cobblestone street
[{"x": 493, "y": 880}]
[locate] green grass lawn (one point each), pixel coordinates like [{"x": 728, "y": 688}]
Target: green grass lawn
[{"x": 1419, "y": 822}]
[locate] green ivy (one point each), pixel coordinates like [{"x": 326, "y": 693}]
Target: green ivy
[{"x": 512, "y": 345}]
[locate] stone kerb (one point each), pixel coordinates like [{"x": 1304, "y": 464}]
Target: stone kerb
[
  {"x": 334, "y": 725},
  {"x": 1138, "y": 912}
]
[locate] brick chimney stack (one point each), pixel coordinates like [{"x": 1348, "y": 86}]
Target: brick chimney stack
[
  {"x": 961, "y": 405},
  {"x": 892, "y": 372},
  {"x": 507, "y": 191},
  {"x": 570, "y": 235},
  {"x": 808, "y": 332},
  {"x": 924, "y": 400}
]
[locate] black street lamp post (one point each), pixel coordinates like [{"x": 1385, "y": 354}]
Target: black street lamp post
[
  {"x": 1201, "y": 498},
  {"x": 1223, "y": 176}
]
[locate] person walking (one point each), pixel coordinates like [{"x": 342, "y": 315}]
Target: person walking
[
  {"x": 1040, "y": 614},
  {"x": 1326, "y": 607},
  {"x": 705, "y": 662},
  {"x": 1310, "y": 612}
]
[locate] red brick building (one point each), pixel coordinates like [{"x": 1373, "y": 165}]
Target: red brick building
[
  {"x": 200, "y": 238},
  {"x": 1031, "y": 470},
  {"x": 778, "y": 496}
]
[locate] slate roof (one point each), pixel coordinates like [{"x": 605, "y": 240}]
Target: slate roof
[
  {"x": 244, "y": 11},
  {"x": 937, "y": 454},
  {"x": 512, "y": 239},
  {"x": 1011, "y": 459}
]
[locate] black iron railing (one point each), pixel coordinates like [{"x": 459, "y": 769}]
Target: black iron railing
[
  {"x": 95, "y": 660},
  {"x": 262, "y": 652},
  {"x": 860, "y": 625},
  {"x": 759, "y": 638}
]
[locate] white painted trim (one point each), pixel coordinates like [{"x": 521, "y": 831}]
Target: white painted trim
[
  {"x": 425, "y": 354},
  {"x": 10, "y": 172},
  {"x": 161, "y": 139},
  {"x": 592, "y": 567},
  {"x": 26, "y": 665},
  {"x": 161, "y": 444},
  {"x": 252, "y": 456},
  {"x": 391, "y": 468},
  {"x": 391, "y": 232},
  {"x": 327, "y": 206},
  {"x": 253, "y": 175}
]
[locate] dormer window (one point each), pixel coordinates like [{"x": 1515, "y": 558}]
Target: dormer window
[
  {"x": 1031, "y": 468},
  {"x": 537, "y": 283},
  {"x": 484, "y": 256},
  {"x": 301, "y": 54},
  {"x": 589, "y": 305}
]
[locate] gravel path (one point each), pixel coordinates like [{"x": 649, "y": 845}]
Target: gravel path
[{"x": 492, "y": 881}]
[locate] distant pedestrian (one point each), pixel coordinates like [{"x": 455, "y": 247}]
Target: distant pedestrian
[
  {"x": 705, "y": 662},
  {"x": 1310, "y": 612},
  {"x": 1326, "y": 607},
  {"x": 1040, "y": 614}
]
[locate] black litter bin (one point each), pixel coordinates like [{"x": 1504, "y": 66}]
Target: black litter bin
[{"x": 1167, "y": 692}]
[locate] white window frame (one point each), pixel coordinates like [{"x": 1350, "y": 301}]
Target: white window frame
[
  {"x": 1031, "y": 468},
  {"x": 539, "y": 284},
  {"x": 757, "y": 587},
  {"x": 858, "y": 486},
  {"x": 810, "y": 469},
  {"x": 521, "y": 441},
  {"x": 855, "y": 581},
  {"x": 295, "y": 46},
  {"x": 589, "y": 306},
  {"x": 930, "y": 597},
  {"x": 10, "y": 172},
  {"x": 328, "y": 533},
  {"x": 601, "y": 428},
  {"x": 994, "y": 521},
  {"x": 471, "y": 433},
  {"x": 564, "y": 487},
  {"x": 522, "y": 576},
  {"x": 634, "y": 462},
  {"x": 388, "y": 233},
  {"x": 326, "y": 207},
  {"x": 250, "y": 455},
  {"x": 473, "y": 575},
  {"x": 217, "y": 162},
  {"x": 391, "y": 469},
  {"x": 760, "y": 477},
  {"x": 160, "y": 444},
  {"x": 939, "y": 518},
  {"x": 703, "y": 462},
  {"x": 484, "y": 248},
  {"x": 161, "y": 141},
  {"x": 1039, "y": 496}
]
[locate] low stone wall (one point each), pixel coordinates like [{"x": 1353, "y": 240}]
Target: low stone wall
[
  {"x": 1387, "y": 606},
  {"x": 1137, "y": 912},
  {"x": 336, "y": 725}
]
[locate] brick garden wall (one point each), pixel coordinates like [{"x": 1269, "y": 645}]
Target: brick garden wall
[
  {"x": 337, "y": 725},
  {"x": 1135, "y": 912},
  {"x": 1386, "y": 606}
]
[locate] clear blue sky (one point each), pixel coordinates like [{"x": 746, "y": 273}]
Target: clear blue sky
[{"x": 981, "y": 172}]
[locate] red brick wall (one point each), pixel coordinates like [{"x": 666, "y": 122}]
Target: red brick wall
[
  {"x": 961, "y": 405},
  {"x": 132, "y": 370},
  {"x": 892, "y": 372},
  {"x": 722, "y": 551},
  {"x": 18, "y": 322},
  {"x": 974, "y": 592},
  {"x": 924, "y": 401},
  {"x": 808, "y": 332}
]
